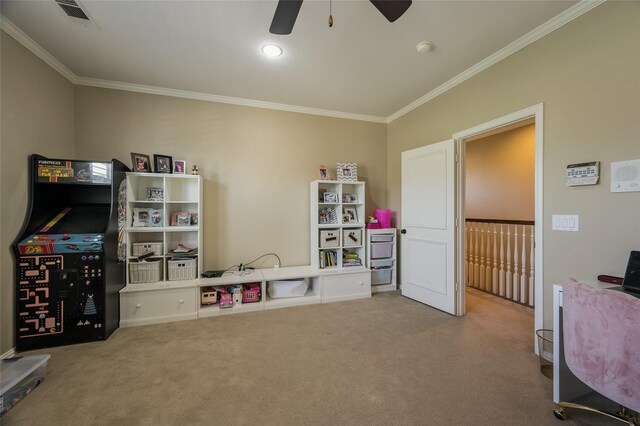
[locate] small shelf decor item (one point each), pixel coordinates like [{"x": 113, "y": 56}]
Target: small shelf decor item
[
  {"x": 155, "y": 194},
  {"x": 140, "y": 217},
  {"x": 323, "y": 172},
  {"x": 347, "y": 171},
  {"x": 349, "y": 198},
  {"x": 327, "y": 216},
  {"x": 181, "y": 218},
  {"x": 352, "y": 214},
  {"x": 163, "y": 163},
  {"x": 179, "y": 167},
  {"x": 330, "y": 197},
  {"x": 156, "y": 217},
  {"x": 140, "y": 163}
]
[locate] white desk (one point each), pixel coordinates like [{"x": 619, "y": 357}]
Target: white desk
[{"x": 566, "y": 386}]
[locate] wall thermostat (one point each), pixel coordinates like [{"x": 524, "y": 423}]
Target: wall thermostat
[{"x": 583, "y": 174}]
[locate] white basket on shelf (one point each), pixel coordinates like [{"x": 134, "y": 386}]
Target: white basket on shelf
[
  {"x": 330, "y": 238},
  {"x": 147, "y": 271},
  {"x": 182, "y": 269},
  {"x": 138, "y": 249}
]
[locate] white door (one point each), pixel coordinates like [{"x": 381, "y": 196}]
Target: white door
[{"x": 428, "y": 225}]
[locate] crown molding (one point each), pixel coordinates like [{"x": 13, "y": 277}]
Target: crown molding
[
  {"x": 551, "y": 25},
  {"x": 15, "y": 32},
  {"x": 153, "y": 90}
]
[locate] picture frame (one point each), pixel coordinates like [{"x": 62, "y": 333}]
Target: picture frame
[
  {"x": 345, "y": 218},
  {"x": 347, "y": 172},
  {"x": 327, "y": 216},
  {"x": 181, "y": 218},
  {"x": 179, "y": 167},
  {"x": 140, "y": 163},
  {"x": 323, "y": 172},
  {"x": 330, "y": 197},
  {"x": 156, "y": 217},
  {"x": 352, "y": 213},
  {"x": 155, "y": 194},
  {"x": 140, "y": 217},
  {"x": 163, "y": 163},
  {"x": 349, "y": 198}
]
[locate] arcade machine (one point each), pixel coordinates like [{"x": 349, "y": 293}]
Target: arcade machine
[{"x": 68, "y": 272}]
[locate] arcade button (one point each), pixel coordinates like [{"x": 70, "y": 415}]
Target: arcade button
[{"x": 65, "y": 237}]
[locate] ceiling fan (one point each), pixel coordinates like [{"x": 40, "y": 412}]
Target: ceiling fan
[{"x": 287, "y": 12}]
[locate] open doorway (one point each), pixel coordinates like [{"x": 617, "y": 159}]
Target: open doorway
[
  {"x": 500, "y": 212},
  {"x": 529, "y": 116}
]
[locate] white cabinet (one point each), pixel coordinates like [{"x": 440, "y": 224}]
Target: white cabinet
[
  {"x": 337, "y": 224},
  {"x": 163, "y": 212},
  {"x": 346, "y": 286},
  {"x": 143, "y": 305},
  {"x": 381, "y": 258}
]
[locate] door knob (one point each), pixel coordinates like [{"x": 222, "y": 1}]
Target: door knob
[{"x": 404, "y": 231}]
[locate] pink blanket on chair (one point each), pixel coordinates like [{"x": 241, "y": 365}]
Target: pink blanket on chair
[{"x": 602, "y": 341}]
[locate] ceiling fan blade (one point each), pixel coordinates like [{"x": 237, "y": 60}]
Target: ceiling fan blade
[
  {"x": 392, "y": 9},
  {"x": 285, "y": 16}
]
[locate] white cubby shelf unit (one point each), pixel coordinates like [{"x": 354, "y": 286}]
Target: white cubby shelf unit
[
  {"x": 337, "y": 224},
  {"x": 173, "y": 194}
]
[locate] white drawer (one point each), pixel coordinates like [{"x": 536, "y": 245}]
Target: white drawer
[
  {"x": 163, "y": 305},
  {"x": 346, "y": 286}
]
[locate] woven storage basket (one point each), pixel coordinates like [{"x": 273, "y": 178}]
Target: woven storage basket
[
  {"x": 182, "y": 269},
  {"x": 144, "y": 272},
  {"x": 138, "y": 249},
  {"x": 330, "y": 238}
]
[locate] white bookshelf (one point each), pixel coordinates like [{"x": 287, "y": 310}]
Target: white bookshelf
[{"x": 333, "y": 234}]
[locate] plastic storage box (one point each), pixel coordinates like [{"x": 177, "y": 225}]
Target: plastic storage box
[
  {"x": 147, "y": 271},
  {"x": 381, "y": 250},
  {"x": 296, "y": 287},
  {"x": 18, "y": 377}
]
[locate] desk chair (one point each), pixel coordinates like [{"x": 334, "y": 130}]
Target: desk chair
[{"x": 602, "y": 346}]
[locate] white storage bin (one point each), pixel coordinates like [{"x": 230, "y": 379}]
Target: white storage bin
[
  {"x": 147, "y": 271},
  {"x": 384, "y": 263},
  {"x": 381, "y": 276},
  {"x": 138, "y": 249},
  {"x": 19, "y": 376},
  {"x": 296, "y": 287},
  {"x": 330, "y": 238},
  {"x": 382, "y": 238},
  {"x": 182, "y": 269},
  {"x": 381, "y": 250}
]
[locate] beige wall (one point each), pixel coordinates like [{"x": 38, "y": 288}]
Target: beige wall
[
  {"x": 586, "y": 74},
  {"x": 256, "y": 163},
  {"x": 500, "y": 175},
  {"x": 37, "y": 114}
]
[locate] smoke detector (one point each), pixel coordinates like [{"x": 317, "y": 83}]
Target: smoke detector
[{"x": 424, "y": 46}]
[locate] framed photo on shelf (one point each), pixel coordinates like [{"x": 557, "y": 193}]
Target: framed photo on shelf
[
  {"x": 345, "y": 218},
  {"x": 163, "y": 163},
  {"x": 353, "y": 215},
  {"x": 140, "y": 163},
  {"x": 140, "y": 217},
  {"x": 349, "y": 198},
  {"x": 155, "y": 194},
  {"x": 347, "y": 171},
  {"x": 155, "y": 217},
  {"x": 323, "y": 172},
  {"x": 330, "y": 197},
  {"x": 179, "y": 167}
]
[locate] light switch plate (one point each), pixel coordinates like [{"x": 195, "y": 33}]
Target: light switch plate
[{"x": 565, "y": 222}]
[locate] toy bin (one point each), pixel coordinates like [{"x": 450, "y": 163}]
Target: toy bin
[
  {"x": 147, "y": 271},
  {"x": 138, "y": 249},
  {"x": 182, "y": 269},
  {"x": 330, "y": 238},
  {"x": 380, "y": 276},
  {"x": 296, "y": 287},
  {"x": 18, "y": 377}
]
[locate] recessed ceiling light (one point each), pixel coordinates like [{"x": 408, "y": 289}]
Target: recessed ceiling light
[{"x": 271, "y": 50}]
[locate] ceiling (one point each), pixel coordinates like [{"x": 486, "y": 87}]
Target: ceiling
[{"x": 363, "y": 66}]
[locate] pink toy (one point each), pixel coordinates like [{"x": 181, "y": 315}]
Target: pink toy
[
  {"x": 226, "y": 300},
  {"x": 251, "y": 294}
]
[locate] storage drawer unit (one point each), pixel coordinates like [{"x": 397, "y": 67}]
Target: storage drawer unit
[{"x": 163, "y": 305}]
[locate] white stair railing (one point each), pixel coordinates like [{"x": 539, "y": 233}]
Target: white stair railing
[{"x": 501, "y": 262}]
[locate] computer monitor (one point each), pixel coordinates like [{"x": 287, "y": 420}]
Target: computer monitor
[{"x": 631, "y": 281}]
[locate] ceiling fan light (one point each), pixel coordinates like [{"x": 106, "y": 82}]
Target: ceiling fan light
[{"x": 271, "y": 50}]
